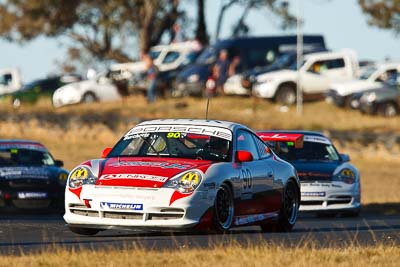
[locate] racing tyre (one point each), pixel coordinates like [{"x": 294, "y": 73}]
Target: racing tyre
[
  {"x": 289, "y": 210},
  {"x": 223, "y": 209},
  {"x": 89, "y": 98},
  {"x": 286, "y": 95},
  {"x": 387, "y": 109},
  {"x": 83, "y": 231}
]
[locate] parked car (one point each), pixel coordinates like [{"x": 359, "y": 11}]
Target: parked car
[
  {"x": 170, "y": 60},
  {"x": 317, "y": 72},
  {"x": 329, "y": 182},
  {"x": 10, "y": 81},
  {"x": 384, "y": 101},
  {"x": 32, "y": 91},
  {"x": 29, "y": 177},
  {"x": 100, "y": 88},
  {"x": 241, "y": 84},
  {"x": 371, "y": 77},
  {"x": 252, "y": 52},
  {"x": 177, "y": 174}
]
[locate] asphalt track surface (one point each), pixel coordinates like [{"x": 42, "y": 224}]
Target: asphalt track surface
[{"x": 43, "y": 232}]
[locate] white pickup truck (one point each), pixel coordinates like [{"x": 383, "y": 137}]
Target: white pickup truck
[
  {"x": 10, "y": 81},
  {"x": 317, "y": 73}
]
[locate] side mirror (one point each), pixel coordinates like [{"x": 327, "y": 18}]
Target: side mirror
[
  {"x": 243, "y": 156},
  {"x": 105, "y": 153},
  {"x": 345, "y": 157},
  {"x": 58, "y": 163}
]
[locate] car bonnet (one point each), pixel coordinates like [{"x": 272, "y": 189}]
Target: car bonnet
[{"x": 151, "y": 172}]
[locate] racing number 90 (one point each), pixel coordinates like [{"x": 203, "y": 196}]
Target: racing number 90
[
  {"x": 247, "y": 179},
  {"x": 173, "y": 135}
]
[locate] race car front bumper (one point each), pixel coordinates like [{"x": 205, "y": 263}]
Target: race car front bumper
[
  {"x": 135, "y": 209},
  {"x": 330, "y": 196}
]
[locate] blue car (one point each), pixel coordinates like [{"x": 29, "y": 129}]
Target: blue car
[{"x": 30, "y": 179}]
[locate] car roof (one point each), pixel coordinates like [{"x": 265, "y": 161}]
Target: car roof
[
  {"x": 304, "y": 132},
  {"x": 22, "y": 143},
  {"x": 198, "y": 122},
  {"x": 309, "y": 136}
]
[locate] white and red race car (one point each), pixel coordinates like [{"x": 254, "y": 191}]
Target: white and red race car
[
  {"x": 329, "y": 183},
  {"x": 180, "y": 174}
]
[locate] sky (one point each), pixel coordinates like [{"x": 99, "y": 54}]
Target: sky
[{"x": 341, "y": 22}]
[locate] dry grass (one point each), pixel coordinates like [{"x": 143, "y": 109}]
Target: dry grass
[
  {"x": 80, "y": 140},
  {"x": 232, "y": 255},
  {"x": 256, "y": 113}
]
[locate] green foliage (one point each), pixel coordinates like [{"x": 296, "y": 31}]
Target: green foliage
[{"x": 384, "y": 14}]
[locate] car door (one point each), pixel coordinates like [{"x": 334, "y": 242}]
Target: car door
[
  {"x": 256, "y": 177},
  {"x": 314, "y": 78}
]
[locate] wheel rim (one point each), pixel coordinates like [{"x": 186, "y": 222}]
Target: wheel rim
[
  {"x": 224, "y": 207},
  {"x": 390, "y": 111},
  {"x": 291, "y": 203},
  {"x": 287, "y": 96},
  {"x": 89, "y": 98}
]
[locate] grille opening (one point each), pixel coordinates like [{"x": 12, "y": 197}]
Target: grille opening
[
  {"x": 311, "y": 203},
  {"x": 122, "y": 215},
  {"x": 171, "y": 210},
  {"x": 88, "y": 213},
  {"x": 161, "y": 216},
  {"x": 79, "y": 206},
  {"x": 31, "y": 203},
  {"x": 339, "y": 201}
]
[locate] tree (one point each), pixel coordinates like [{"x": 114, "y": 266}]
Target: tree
[
  {"x": 384, "y": 14},
  {"x": 201, "y": 30},
  {"x": 278, "y": 8},
  {"x": 104, "y": 29}
]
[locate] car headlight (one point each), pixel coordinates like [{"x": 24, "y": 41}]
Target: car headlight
[
  {"x": 265, "y": 79},
  {"x": 186, "y": 182},
  {"x": 346, "y": 176},
  {"x": 370, "y": 97},
  {"x": 193, "y": 78},
  {"x": 81, "y": 175},
  {"x": 62, "y": 178}
]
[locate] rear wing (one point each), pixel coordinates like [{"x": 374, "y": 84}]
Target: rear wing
[{"x": 297, "y": 139}]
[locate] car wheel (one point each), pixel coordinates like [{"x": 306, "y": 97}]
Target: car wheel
[
  {"x": 83, "y": 231},
  {"x": 387, "y": 109},
  {"x": 89, "y": 98},
  {"x": 223, "y": 209},
  {"x": 16, "y": 103},
  {"x": 286, "y": 95},
  {"x": 289, "y": 210}
]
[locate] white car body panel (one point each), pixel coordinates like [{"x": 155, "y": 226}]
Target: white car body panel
[{"x": 73, "y": 93}]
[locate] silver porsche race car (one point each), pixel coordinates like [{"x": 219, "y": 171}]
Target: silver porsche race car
[
  {"x": 178, "y": 174},
  {"x": 329, "y": 183}
]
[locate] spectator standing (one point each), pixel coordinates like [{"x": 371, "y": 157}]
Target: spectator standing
[
  {"x": 151, "y": 75},
  {"x": 178, "y": 34},
  {"x": 221, "y": 70}
]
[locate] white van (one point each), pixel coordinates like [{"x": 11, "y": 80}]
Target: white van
[{"x": 10, "y": 81}]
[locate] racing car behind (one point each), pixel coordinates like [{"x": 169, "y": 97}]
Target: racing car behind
[
  {"x": 329, "y": 183},
  {"x": 29, "y": 177}
]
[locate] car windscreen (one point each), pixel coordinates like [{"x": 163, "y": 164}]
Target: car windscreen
[
  {"x": 173, "y": 144},
  {"x": 283, "y": 62},
  {"x": 311, "y": 151},
  {"x": 367, "y": 73},
  {"x": 24, "y": 157},
  {"x": 208, "y": 56}
]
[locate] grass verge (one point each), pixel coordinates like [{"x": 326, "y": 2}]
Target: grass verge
[{"x": 231, "y": 255}]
